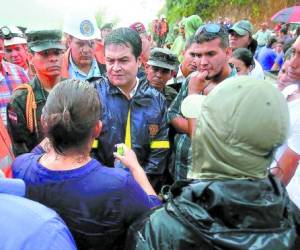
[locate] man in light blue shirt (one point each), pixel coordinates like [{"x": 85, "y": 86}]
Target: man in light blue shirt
[
  {"x": 79, "y": 60},
  {"x": 29, "y": 225}
]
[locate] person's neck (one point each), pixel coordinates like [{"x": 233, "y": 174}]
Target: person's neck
[
  {"x": 185, "y": 71},
  {"x": 85, "y": 68},
  {"x": 224, "y": 74},
  {"x": 67, "y": 161},
  {"x": 48, "y": 82},
  {"x": 128, "y": 89},
  {"x": 24, "y": 65}
]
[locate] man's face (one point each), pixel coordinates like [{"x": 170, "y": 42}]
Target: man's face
[
  {"x": 238, "y": 41},
  {"x": 121, "y": 65},
  {"x": 158, "y": 76},
  {"x": 213, "y": 58},
  {"x": 1, "y": 49},
  {"x": 17, "y": 54},
  {"x": 191, "y": 59},
  {"x": 294, "y": 62},
  {"x": 146, "y": 45},
  {"x": 82, "y": 51},
  {"x": 47, "y": 62},
  {"x": 105, "y": 32}
]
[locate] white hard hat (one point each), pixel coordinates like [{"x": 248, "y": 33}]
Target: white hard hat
[
  {"x": 13, "y": 35},
  {"x": 81, "y": 26}
]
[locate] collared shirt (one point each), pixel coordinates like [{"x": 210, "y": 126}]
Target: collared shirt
[
  {"x": 76, "y": 73},
  {"x": 182, "y": 142},
  {"x": 178, "y": 79},
  {"x": 10, "y": 77},
  {"x": 133, "y": 91},
  {"x": 262, "y": 37}
]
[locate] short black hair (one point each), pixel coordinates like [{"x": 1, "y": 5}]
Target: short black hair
[
  {"x": 191, "y": 40},
  {"x": 205, "y": 36},
  {"x": 127, "y": 37},
  {"x": 245, "y": 55}
]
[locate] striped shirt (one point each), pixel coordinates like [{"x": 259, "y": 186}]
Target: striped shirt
[{"x": 10, "y": 77}]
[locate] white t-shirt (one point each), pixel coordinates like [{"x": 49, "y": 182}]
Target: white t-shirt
[
  {"x": 293, "y": 142},
  {"x": 257, "y": 72}
]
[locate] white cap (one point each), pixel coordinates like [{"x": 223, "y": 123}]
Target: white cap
[
  {"x": 17, "y": 36},
  {"x": 82, "y": 26}
]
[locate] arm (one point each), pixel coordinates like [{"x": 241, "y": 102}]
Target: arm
[
  {"x": 129, "y": 160},
  {"x": 17, "y": 125},
  {"x": 174, "y": 116},
  {"x": 286, "y": 166},
  {"x": 156, "y": 160}
]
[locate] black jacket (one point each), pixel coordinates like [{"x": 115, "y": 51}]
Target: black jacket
[{"x": 230, "y": 214}]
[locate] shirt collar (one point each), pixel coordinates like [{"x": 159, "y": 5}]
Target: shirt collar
[
  {"x": 94, "y": 70},
  {"x": 133, "y": 91}
]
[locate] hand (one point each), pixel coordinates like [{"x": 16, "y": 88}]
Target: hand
[
  {"x": 129, "y": 158},
  {"x": 197, "y": 82}
]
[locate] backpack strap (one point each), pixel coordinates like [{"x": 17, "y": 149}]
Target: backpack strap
[{"x": 31, "y": 107}]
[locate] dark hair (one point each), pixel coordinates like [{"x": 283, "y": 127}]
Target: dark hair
[
  {"x": 71, "y": 112},
  {"x": 284, "y": 31},
  {"x": 205, "y": 36},
  {"x": 245, "y": 55},
  {"x": 271, "y": 41},
  {"x": 125, "y": 36},
  {"x": 252, "y": 46},
  {"x": 191, "y": 40}
]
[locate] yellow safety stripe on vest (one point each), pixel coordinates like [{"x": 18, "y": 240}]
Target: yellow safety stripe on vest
[
  {"x": 128, "y": 131},
  {"x": 160, "y": 144},
  {"x": 95, "y": 144}
]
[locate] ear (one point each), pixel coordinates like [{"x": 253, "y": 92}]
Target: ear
[
  {"x": 30, "y": 56},
  {"x": 228, "y": 52},
  {"x": 44, "y": 123},
  {"x": 68, "y": 40},
  {"x": 139, "y": 61},
  {"x": 97, "y": 129},
  {"x": 147, "y": 66}
]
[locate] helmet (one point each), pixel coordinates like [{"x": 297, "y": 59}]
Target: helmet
[
  {"x": 81, "y": 26},
  {"x": 12, "y": 35}
]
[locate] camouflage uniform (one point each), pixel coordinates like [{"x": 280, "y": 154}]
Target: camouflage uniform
[{"x": 24, "y": 140}]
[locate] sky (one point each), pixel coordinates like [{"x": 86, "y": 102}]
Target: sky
[{"x": 39, "y": 14}]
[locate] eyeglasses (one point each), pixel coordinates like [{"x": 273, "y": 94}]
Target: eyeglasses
[
  {"x": 209, "y": 28},
  {"x": 161, "y": 70}
]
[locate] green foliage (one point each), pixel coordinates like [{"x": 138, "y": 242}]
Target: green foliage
[{"x": 102, "y": 19}]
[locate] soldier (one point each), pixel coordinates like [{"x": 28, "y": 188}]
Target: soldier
[
  {"x": 25, "y": 107},
  {"x": 160, "y": 68}
]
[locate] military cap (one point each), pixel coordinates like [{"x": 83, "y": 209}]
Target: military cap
[
  {"x": 163, "y": 58},
  {"x": 242, "y": 28},
  {"x": 44, "y": 39}
]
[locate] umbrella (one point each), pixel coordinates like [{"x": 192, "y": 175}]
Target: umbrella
[{"x": 288, "y": 15}]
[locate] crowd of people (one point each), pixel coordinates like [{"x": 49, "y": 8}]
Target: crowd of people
[{"x": 176, "y": 138}]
